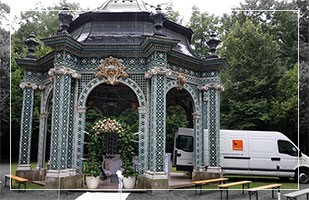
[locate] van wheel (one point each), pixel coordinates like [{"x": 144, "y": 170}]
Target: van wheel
[{"x": 303, "y": 176}]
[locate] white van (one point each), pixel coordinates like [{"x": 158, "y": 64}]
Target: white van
[{"x": 247, "y": 152}]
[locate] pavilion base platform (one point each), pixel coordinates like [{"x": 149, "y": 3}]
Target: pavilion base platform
[
  {"x": 32, "y": 175},
  {"x": 153, "y": 181},
  {"x": 207, "y": 173},
  {"x": 63, "y": 179}
]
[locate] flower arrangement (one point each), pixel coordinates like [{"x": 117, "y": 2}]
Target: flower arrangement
[
  {"x": 124, "y": 137},
  {"x": 107, "y": 125}
]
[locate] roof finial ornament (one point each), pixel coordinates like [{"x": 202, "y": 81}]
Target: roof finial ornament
[
  {"x": 31, "y": 44},
  {"x": 158, "y": 18},
  {"x": 212, "y": 43},
  {"x": 66, "y": 18}
]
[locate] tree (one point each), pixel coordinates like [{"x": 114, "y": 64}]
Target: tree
[
  {"x": 304, "y": 75},
  {"x": 202, "y": 24},
  {"x": 172, "y": 14},
  {"x": 284, "y": 106},
  {"x": 4, "y": 80},
  {"x": 250, "y": 81}
]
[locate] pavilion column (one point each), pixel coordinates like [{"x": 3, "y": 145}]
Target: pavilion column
[
  {"x": 204, "y": 126},
  {"x": 71, "y": 131},
  {"x": 157, "y": 136},
  {"x": 79, "y": 139},
  {"x": 157, "y": 129},
  {"x": 197, "y": 159},
  {"x": 26, "y": 126},
  {"x": 143, "y": 126},
  {"x": 42, "y": 133},
  {"x": 62, "y": 78},
  {"x": 213, "y": 124},
  {"x": 42, "y": 140}
]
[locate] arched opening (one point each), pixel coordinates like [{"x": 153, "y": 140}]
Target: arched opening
[
  {"x": 113, "y": 101},
  {"x": 179, "y": 109}
]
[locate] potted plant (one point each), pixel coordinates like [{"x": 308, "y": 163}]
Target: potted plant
[
  {"x": 92, "y": 172},
  {"x": 126, "y": 151},
  {"x": 129, "y": 175},
  {"x": 93, "y": 163}
]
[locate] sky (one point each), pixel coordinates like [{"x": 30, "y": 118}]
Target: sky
[{"x": 216, "y": 7}]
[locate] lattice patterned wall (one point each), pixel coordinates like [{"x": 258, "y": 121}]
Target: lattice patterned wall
[
  {"x": 35, "y": 77},
  {"x": 213, "y": 140}
]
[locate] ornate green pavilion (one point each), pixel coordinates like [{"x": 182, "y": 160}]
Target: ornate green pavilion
[{"x": 120, "y": 47}]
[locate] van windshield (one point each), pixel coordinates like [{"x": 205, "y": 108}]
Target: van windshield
[{"x": 286, "y": 147}]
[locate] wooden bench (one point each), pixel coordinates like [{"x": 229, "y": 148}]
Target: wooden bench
[
  {"x": 204, "y": 182},
  {"x": 227, "y": 185},
  {"x": 18, "y": 179},
  {"x": 254, "y": 191},
  {"x": 294, "y": 195}
]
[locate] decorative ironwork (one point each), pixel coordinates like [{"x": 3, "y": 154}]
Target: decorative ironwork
[
  {"x": 181, "y": 81},
  {"x": 212, "y": 43},
  {"x": 31, "y": 44},
  {"x": 215, "y": 86},
  {"x": 33, "y": 86},
  {"x": 66, "y": 18},
  {"x": 197, "y": 115},
  {"x": 112, "y": 70},
  {"x": 157, "y": 70},
  {"x": 158, "y": 18}
]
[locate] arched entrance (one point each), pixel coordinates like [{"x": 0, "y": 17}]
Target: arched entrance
[
  {"x": 188, "y": 99},
  {"x": 117, "y": 99}
]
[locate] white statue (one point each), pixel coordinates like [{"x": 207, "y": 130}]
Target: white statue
[{"x": 120, "y": 178}]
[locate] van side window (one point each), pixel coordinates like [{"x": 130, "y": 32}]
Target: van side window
[
  {"x": 286, "y": 147},
  {"x": 185, "y": 143}
]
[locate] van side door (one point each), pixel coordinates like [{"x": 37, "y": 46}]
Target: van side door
[
  {"x": 264, "y": 158},
  {"x": 234, "y": 152}
]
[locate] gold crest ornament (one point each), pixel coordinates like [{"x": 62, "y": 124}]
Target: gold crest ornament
[
  {"x": 111, "y": 69},
  {"x": 181, "y": 81}
]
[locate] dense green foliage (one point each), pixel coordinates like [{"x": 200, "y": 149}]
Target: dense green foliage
[
  {"x": 4, "y": 80},
  {"x": 304, "y": 74},
  {"x": 249, "y": 81}
]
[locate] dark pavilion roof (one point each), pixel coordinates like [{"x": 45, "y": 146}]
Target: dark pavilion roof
[
  {"x": 126, "y": 22},
  {"x": 127, "y": 5}
]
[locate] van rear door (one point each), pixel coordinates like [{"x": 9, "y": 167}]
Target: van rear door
[{"x": 183, "y": 149}]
